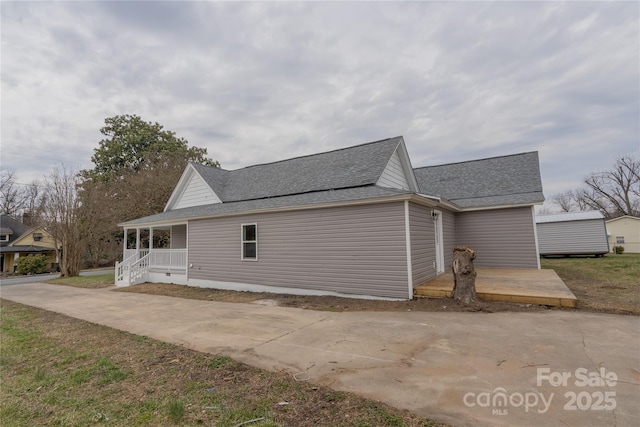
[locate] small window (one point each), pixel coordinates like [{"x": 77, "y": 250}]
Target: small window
[
  {"x": 4, "y": 237},
  {"x": 250, "y": 242},
  {"x": 619, "y": 240},
  {"x": 37, "y": 237}
]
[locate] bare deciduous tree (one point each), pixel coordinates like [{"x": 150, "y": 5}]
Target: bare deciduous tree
[
  {"x": 11, "y": 196},
  {"x": 61, "y": 212},
  {"x": 564, "y": 201},
  {"x": 615, "y": 192},
  {"x": 33, "y": 204}
]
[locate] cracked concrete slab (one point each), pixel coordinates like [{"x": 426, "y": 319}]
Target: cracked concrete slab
[{"x": 461, "y": 368}]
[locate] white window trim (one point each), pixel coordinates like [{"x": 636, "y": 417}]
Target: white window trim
[
  {"x": 618, "y": 238},
  {"x": 4, "y": 237},
  {"x": 242, "y": 242}
]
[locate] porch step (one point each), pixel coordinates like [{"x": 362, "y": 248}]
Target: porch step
[{"x": 523, "y": 286}]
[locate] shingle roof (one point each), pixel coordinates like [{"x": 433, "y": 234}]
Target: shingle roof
[
  {"x": 24, "y": 249},
  {"x": 291, "y": 201},
  {"x": 7, "y": 222},
  {"x": 350, "y": 174},
  {"x": 344, "y": 168},
  {"x": 569, "y": 216},
  {"x": 504, "y": 180}
]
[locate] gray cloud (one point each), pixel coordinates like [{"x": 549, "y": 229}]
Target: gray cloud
[{"x": 256, "y": 82}]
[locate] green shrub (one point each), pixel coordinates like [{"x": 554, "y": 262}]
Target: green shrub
[
  {"x": 32, "y": 264},
  {"x": 618, "y": 249}
]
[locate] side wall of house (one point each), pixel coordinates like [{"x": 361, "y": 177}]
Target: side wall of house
[
  {"x": 450, "y": 242},
  {"x": 423, "y": 251},
  {"x": 585, "y": 237},
  {"x": 359, "y": 250},
  {"x": 503, "y": 238},
  {"x": 629, "y": 229}
]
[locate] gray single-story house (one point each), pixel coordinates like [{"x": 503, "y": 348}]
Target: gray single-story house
[
  {"x": 572, "y": 233},
  {"x": 358, "y": 221}
]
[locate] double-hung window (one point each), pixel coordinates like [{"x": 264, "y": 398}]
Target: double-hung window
[
  {"x": 620, "y": 240},
  {"x": 249, "y": 242}
]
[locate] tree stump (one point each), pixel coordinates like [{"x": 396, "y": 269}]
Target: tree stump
[{"x": 464, "y": 275}]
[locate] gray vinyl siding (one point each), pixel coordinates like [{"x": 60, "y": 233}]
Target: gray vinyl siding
[
  {"x": 393, "y": 175},
  {"x": 583, "y": 237},
  {"x": 423, "y": 251},
  {"x": 449, "y": 231},
  {"x": 179, "y": 236},
  {"x": 501, "y": 237},
  {"x": 357, "y": 250}
]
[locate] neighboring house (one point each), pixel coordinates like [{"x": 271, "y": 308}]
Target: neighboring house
[
  {"x": 572, "y": 233},
  {"x": 16, "y": 240},
  {"x": 358, "y": 221},
  {"x": 624, "y": 231}
]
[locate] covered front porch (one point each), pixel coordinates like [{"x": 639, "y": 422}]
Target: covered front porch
[
  {"x": 153, "y": 254},
  {"x": 523, "y": 285}
]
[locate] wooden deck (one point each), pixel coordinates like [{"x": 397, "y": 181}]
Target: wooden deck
[{"x": 525, "y": 286}]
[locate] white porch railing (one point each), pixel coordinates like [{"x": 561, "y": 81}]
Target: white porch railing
[
  {"x": 135, "y": 268},
  {"x": 168, "y": 259},
  {"x": 128, "y": 253},
  {"x": 139, "y": 270}
]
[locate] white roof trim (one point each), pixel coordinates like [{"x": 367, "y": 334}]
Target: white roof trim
[
  {"x": 405, "y": 163},
  {"x": 183, "y": 185}
]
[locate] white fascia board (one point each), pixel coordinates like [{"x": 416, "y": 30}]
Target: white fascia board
[
  {"x": 183, "y": 184},
  {"x": 434, "y": 201},
  {"x": 180, "y": 186},
  {"x": 488, "y": 208},
  {"x": 406, "y": 165}
]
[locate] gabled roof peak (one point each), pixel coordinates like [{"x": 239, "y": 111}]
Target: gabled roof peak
[
  {"x": 348, "y": 167},
  {"x": 396, "y": 139}
]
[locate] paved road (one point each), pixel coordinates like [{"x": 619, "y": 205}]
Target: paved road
[
  {"x": 21, "y": 280},
  {"x": 556, "y": 368}
]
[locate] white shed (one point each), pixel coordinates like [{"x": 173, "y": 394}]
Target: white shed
[{"x": 572, "y": 233}]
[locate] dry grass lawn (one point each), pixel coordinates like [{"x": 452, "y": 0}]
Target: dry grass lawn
[
  {"x": 57, "y": 370},
  {"x": 609, "y": 284}
]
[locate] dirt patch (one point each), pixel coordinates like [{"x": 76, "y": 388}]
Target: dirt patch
[{"x": 327, "y": 303}]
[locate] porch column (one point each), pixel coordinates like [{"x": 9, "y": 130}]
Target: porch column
[
  {"x": 150, "y": 239},
  {"x": 125, "y": 244},
  {"x": 137, "y": 240}
]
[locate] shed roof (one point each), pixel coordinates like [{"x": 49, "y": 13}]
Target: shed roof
[
  {"x": 569, "y": 216},
  {"x": 503, "y": 180}
]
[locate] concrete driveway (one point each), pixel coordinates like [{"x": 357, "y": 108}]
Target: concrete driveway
[{"x": 554, "y": 369}]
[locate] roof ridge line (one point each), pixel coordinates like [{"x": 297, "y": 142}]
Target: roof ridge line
[
  {"x": 477, "y": 160},
  {"x": 318, "y": 154}
]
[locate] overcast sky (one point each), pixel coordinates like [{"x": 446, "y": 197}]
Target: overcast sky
[{"x": 259, "y": 82}]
